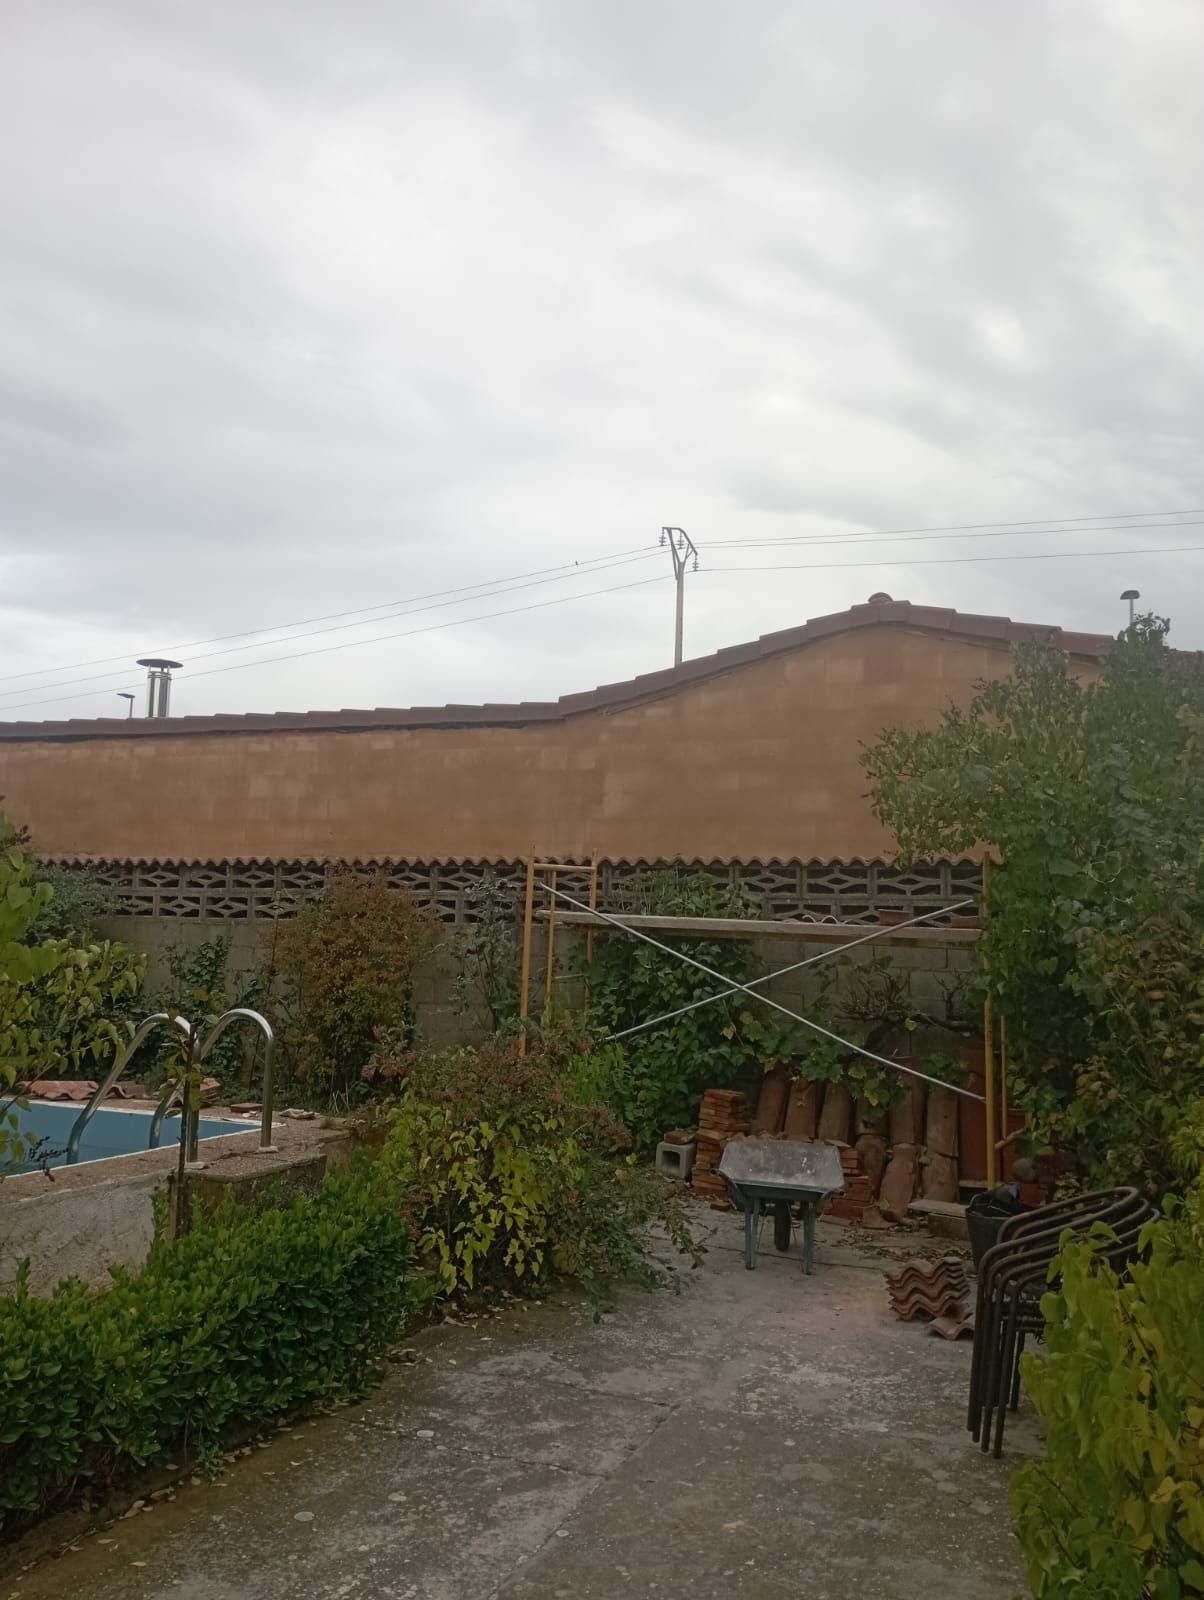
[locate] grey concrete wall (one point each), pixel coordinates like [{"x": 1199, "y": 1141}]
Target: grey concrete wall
[
  {"x": 99, "y": 1215},
  {"x": 441, "y": 1013},
  {"x": 933, "y": 973},
  {"x": 81, "y": 1232}
]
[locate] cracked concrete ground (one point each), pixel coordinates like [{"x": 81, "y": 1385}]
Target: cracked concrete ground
[{"x": 759, "y": 1435}]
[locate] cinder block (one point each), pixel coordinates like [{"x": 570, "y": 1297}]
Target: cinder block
[{"x": 675, "y": 1160}]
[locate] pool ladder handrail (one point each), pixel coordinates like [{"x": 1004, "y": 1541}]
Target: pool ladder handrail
[
  {"x": 235, "y": 1014},
  {"x": 196, "y": 1053},
  {"x": 146, "y": 1026}
]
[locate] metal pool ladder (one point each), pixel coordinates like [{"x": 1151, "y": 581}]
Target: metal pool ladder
[{"x": 197, "y": 1051}]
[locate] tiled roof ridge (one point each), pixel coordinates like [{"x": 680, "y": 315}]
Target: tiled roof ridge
[
  {"x": 79, "y": 858},
  {"x": 960, "y": 624}
]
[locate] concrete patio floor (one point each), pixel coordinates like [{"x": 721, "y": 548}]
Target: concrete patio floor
[{"x": 759, "y": 1435}]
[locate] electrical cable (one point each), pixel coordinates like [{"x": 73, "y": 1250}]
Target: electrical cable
[
  {"x": 350, "y": 644},
  {"x": 969, "y": 527},
  {"x": 856, "y": 539},
  {"x": 435, "y": 594},
  {"x": 338, "y": 627},
  {"x": 953, "y": 561}
]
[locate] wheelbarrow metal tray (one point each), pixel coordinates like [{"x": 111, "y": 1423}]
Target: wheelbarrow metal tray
[
  {"x": 792, "y": 1167},
  {"x": 776, "y": 1172}
]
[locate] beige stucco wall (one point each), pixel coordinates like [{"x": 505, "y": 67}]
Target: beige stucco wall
[{"x": 760, "y": 762}]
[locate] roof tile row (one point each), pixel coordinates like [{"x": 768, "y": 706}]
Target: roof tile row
[{"x": 930, "y": 619}]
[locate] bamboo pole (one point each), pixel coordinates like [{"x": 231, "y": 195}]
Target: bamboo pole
[
  {"x": 525, "y": 990},
  {"x": 551, "y": 960},
  {"x": 988, "y": 1055}
]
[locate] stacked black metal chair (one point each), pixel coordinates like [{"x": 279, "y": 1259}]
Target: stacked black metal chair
[{"x": 1012, "y": 1277}]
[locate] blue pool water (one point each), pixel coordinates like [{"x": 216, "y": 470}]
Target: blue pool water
[{"x": 110, "y": 1132}]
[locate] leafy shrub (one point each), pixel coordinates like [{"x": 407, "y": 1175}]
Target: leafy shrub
[
  {"x": 61, "y": 1002},
  {"x": 346, "y": 967},
  {"x": 1115, "y": 1511},
  {"x": 80, "y": 900},
  {"x": 249, "y": 1315},
  {"x": 486, "y": 950},
  {"x": 658, "y": 1078},
  {"x": 202, "y": 983},
  {"x": 511, "y": 1178},
  {"x": 1094, "y": 798}
]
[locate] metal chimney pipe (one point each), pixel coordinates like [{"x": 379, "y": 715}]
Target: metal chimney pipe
[{"x": 158, "y": 684}]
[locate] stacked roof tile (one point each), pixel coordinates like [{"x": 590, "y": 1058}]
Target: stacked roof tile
[{"x": 927, "y": 1289}]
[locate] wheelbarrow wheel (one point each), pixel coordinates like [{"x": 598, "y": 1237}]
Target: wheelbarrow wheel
[{"x": 781, "y": 1224}]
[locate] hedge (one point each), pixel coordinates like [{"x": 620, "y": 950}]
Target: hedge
[
  {"x": 1115, "y": 1511},
  {"x": 252, "y": 1314}
]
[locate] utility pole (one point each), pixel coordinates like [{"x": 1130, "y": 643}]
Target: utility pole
[{"x": 681, "y": 550}]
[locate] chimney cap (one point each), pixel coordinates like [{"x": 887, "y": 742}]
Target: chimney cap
[{"x": 158, "y": 661}]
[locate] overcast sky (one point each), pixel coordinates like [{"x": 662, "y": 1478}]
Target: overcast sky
[{"x": 307, "y": 308}]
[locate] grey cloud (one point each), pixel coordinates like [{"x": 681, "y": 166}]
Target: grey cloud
[{"x": 305, "y": 306}]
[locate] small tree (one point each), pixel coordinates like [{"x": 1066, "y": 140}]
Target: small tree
[
  {"x": 656, "y": 1079},
  {"x": 1094, "y": 798},
  {"x": 60, "y": 999},
  {"x": 346, "y": 966},
  {"x": 488, "y": 956}
]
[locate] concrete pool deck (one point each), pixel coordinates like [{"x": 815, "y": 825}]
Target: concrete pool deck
[
  {"x": 760, "y": 1435},
  {"x": 83, "y": 1220}
]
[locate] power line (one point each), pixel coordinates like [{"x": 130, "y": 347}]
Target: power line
[
  {"x": 1047, "y": 524},
  {"x": 970, "y": 527},
  {"x": 501, "y": 587},
  {"x": 952, "y": 561},
  {"x": 1026, "y": 532},
  {"x": 329, "y": 616},
  {"x": 350, "y": 644},
  {"x": 485, "y": 588}
]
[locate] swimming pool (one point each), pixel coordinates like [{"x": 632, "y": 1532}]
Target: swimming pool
[{"x": 110, "y": 1132}]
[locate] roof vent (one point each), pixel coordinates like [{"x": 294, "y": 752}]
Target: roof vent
[{"x": 158, "y": 684}]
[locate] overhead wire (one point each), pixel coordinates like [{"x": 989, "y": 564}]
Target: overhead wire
[
  {"x": 502, "y": 586},
  {"x": 471, "y": 591},
  {"x": 567, "y": 567},
  {"x": 856, "y": 539},
  {"x": 1038, "y": 524},
  {"x": 952, "y": 561},
  {"x": 351, "y": 644},
  {"x": 488, "y": 589}
]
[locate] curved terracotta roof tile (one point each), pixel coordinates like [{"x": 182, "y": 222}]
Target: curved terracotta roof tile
[{"x": 967, "y": 625}]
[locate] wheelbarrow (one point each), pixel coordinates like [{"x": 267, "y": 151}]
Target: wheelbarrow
[{"x": 778, "y": 1174}]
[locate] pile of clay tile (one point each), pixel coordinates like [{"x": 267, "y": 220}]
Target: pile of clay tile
[
  {"x": 858, "y": 1194},
  {"x": 929, "y": 1289},
  {"x": 724, "y": 1113}
]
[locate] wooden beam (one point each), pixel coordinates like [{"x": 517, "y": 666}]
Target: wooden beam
[{"x": 775, "y": 927}]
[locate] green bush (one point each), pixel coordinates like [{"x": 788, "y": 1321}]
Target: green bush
[
  {"x": 1093, "y": 797},
  {"x": 657, "y": 1078},
  {"x": 62, "y": 1001},
  {"x": 511, "y": 1179},
  {"x": 81, "y": 898},
  {"x": 343, "y": 971},
  {"x": 1115, "y": 1511},
  {"x": 202, "y": 983},
  {"x": 250, "y": 1315}
]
